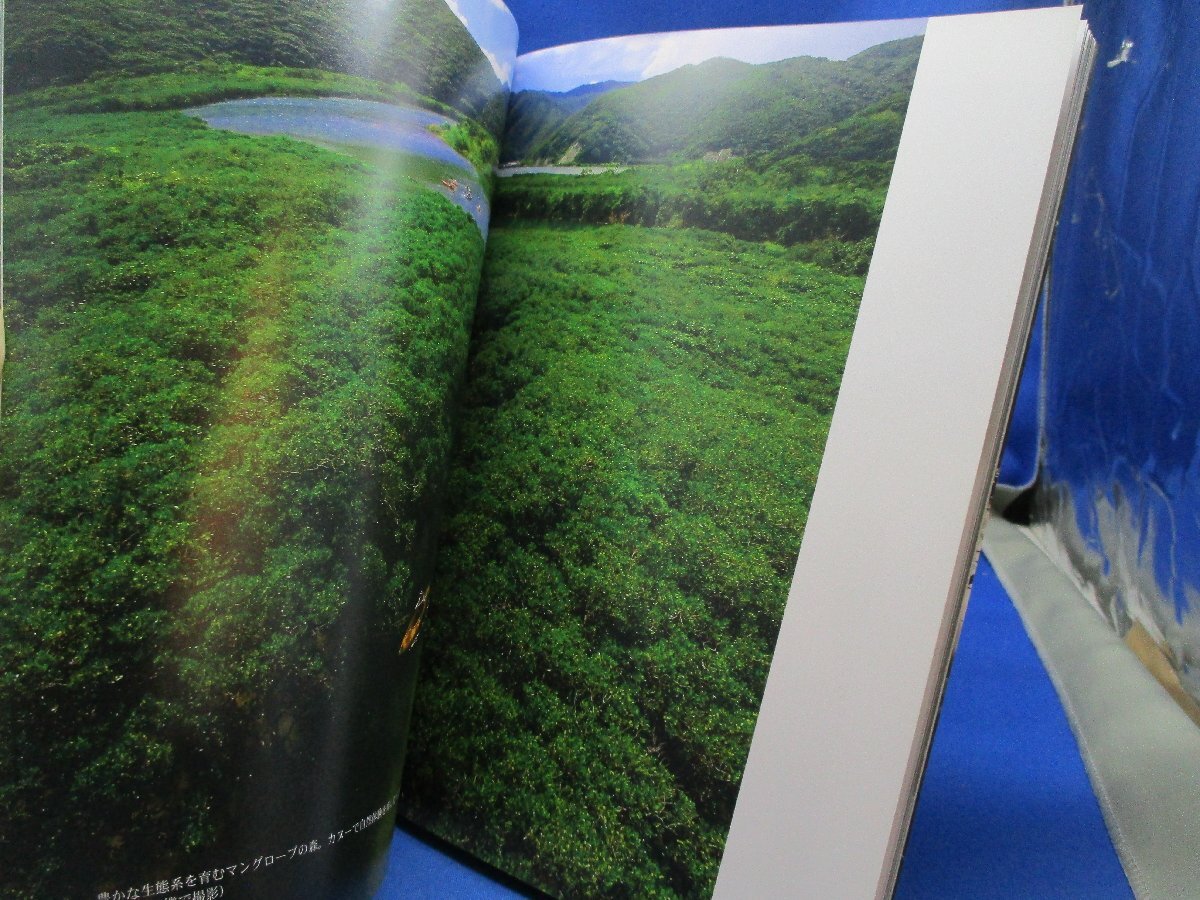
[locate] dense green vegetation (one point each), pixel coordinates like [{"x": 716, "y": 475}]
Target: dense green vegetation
[
  {"x": 205, "y": 83},
  {"x": 475, "y": 143},
  {"x": 228, "y": 405},
  {"x": 818, "y": 188},
  {"x": 226, "y": 417},
  {"x": 644, "y": 420},
  {"x": 717, "y": 105},
  {"x": 534, "y": 115},
  {"x": 752, "y": 200},
  {"x": 419, "y": 43},
  {"x": 210, "y": 83},
  {"x": 655, "y": 362}
]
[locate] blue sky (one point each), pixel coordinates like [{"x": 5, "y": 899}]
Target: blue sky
[
  {"x": 494, "y": 30},
  {"x": 645, "y": 55}
]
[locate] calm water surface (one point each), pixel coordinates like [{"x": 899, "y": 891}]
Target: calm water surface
[
  {"x": 342, "y": 122},
  {"x": 510, "y": 171}
]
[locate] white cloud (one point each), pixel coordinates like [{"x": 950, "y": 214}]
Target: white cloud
[
  {"x": 458, "y": 11},
  {"x": 503, "y": 69},
  {"x": 494, "y": 30}
]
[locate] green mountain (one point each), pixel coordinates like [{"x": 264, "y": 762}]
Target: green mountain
[
  {"x": 722, "y": 104},
  {"x": 870, "y": 135},
  {"x": 580, "y": 96},
  {"x": 534, "y": 115},
  {"x": 420, "y": 43}
]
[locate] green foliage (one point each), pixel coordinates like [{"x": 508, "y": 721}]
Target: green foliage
[
  {"x": 845, "y": 257},
  {"x": 226, "y": 416},
  {"x": 474, "y": 142},
  {"x": 204, "y": 83},
  {"x": 750, "y": 199},
  {"x": 419, "y": 43},
  {"x": 814, "y": 149},
  {"x": 644, "y": 419},
  {"x": 717, "y": 105},
  {"x": 871, "y": 135},
  {"x": 645, "y": 416},
  {"x": 232, "y": 362},
  {"x": 534, "y": 115}
]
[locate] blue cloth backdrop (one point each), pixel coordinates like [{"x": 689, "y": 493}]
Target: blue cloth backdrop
[{"x": 1122, "y": 441}]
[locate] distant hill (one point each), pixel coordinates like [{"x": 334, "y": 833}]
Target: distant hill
[
  {"x": 418, "y": 42},
  {"x": 585, "y": 93},
  {"x": 870, "y": 135},
  {"x": 722, "y": 104},
  {"x": 534, "y": 115}
]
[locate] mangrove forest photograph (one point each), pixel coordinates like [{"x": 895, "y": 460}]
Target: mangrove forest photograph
[
  {"x": 682, "y": 226},
  {"x": 242, "y": 247}
]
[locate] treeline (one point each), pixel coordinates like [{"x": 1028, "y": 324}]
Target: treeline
[
  {"x": 226, "y": 413},
  {"x": 420, "y": 43},
  {"x": 533, "y": 115},
  {"x": 728, "y": 197},
  {"x": 211, "y": 82},
  {"x": 643, "y": 423},
  {"x": 214, "y": 82}
]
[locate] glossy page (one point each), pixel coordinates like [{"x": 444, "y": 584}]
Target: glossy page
[
  {"x": 683, "y": 225},
  {"x": 242, "y": 247}
]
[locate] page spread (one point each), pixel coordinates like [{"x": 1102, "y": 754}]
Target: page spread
[{"x": 272, "y": 429}]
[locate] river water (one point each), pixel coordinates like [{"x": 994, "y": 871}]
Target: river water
[
  {"x": 340, "y": 122},
  {"x": 510, "y": 171}
]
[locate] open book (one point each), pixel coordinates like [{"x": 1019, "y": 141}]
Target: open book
[{"x": 268, "y": 436}]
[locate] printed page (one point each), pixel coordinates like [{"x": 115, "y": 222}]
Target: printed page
[
  {"x": 683, "y": 227},
  {"x": 242, "y": 245}
]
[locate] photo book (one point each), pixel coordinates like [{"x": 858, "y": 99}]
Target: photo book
[{"x": 579, "y": 455}]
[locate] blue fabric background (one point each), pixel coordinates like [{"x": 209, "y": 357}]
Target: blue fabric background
[
  {"x": 1006, "y": 809},
  {"x": 1122, "y": 364},
  {"x": 544, "y": 23}
]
